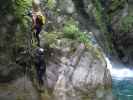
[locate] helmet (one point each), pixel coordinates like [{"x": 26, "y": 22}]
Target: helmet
[{"x": 40, "y": 51}]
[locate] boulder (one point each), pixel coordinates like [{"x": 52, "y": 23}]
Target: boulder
[{"x": 83, "y": 77}]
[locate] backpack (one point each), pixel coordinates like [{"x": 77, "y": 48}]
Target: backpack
[{"x": 40, "y": 19}]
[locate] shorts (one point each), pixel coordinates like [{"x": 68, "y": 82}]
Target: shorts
[{"x": 38, "y": 29}]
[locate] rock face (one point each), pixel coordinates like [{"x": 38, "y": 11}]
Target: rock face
[
  {"x": 123, "y": 35},
  {"x": 74, "y": 71},
  {"x": 114, "y": 21},
  {"x": 20, "y": 89},
  {"x": 82, "y": 77}
]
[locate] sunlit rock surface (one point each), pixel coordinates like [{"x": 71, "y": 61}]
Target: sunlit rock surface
[{"x": 84, "y": 76}]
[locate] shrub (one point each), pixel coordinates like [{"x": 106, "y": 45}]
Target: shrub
[
  {"x": 126, "y": 24},
  {"x": 72, "y": 31}
]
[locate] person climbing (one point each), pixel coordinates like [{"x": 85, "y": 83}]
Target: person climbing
[
  {"x": 38, "y": 20},
  {"x": 40, "y": 65}
]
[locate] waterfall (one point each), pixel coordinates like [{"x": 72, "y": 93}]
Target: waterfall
[
  {"x": 118, "y": 70},
  {"x": 122, "y": 79}
]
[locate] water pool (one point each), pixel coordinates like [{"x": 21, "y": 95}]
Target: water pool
[{"x": 122, "y": 88}]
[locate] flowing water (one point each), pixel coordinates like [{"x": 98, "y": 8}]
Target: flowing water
[{"x": 122, "y": 80}]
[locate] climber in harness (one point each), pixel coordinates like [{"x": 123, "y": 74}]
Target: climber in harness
[
  {"x": 37, "y": 59},
  {"x": 38, "y": 20},
  {"x": 40, "y": 65}
]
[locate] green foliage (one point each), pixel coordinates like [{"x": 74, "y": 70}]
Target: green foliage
[
  {"x": 126, "y": 24},
  {"x": 51, "y": 4},
  {"x": 14, "y": 23},
  {"x": 115, "y": 7},
  {"x": 21, "y": 6},
  {"x": 72, "y": 31},
  {"x": 102, "y": 19},
  {"x": 20, "y": 39},
  {"x": 115, "y": 4},
  {"x": 51, "y": 37},
  {"x": 20, "y": 10},
  {"x": 98, "y": 14},
  {"x": 83, "y": 37}
]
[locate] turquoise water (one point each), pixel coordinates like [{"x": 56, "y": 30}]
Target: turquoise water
[
  {"x": 122, "y": 80},
  {"x": 123, "y": 88}
]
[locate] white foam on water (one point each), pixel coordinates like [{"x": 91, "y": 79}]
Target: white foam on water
[
  {"x": 122, "y": 73},
  {"x": 109, "y": 65},
  {"x": 118, "y": 70}
]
